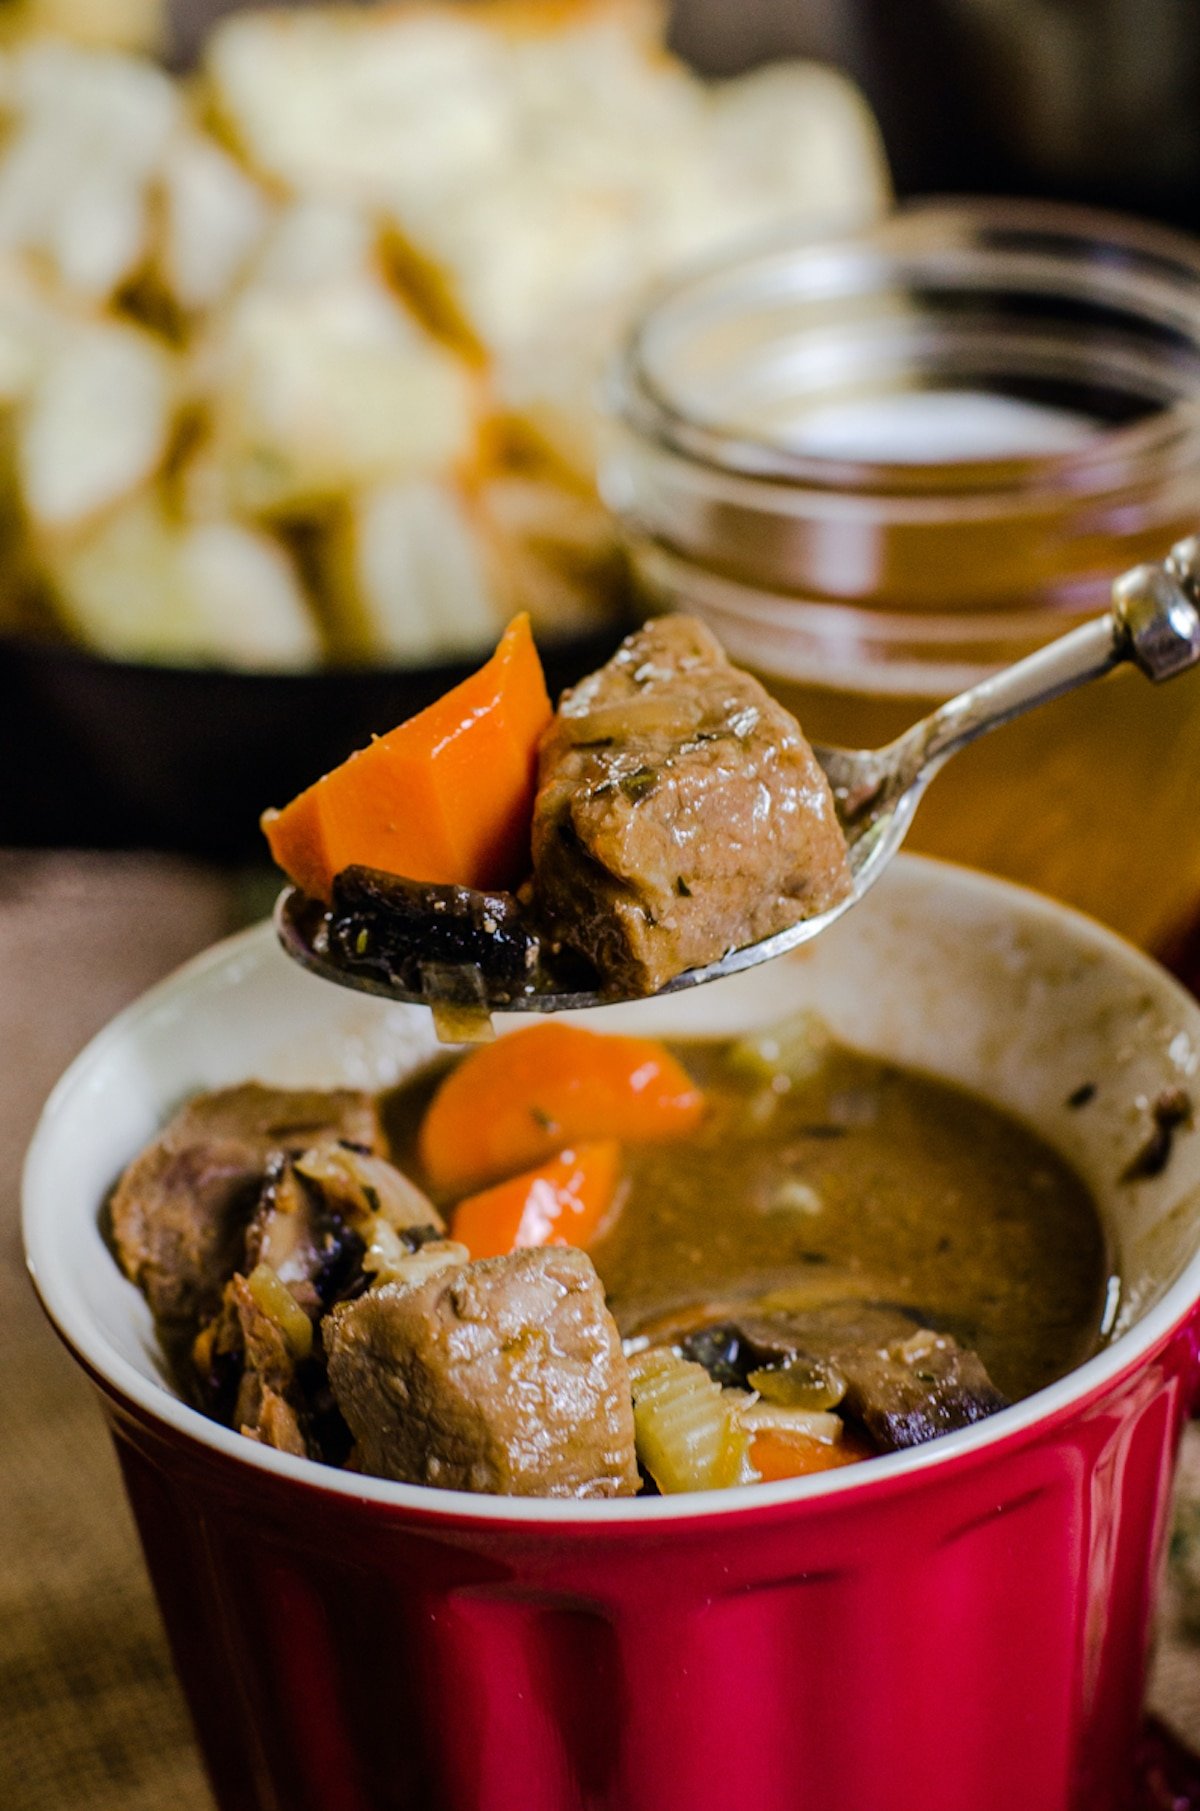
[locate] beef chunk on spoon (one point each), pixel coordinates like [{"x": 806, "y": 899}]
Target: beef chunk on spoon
[
  {"x": 680, "y": 813},
  {"x": 792, "y": 836}
]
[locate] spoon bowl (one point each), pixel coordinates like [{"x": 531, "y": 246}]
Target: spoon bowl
[{"x": 1154, "y": 623}]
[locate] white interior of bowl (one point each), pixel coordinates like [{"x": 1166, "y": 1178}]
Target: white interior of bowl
[{"x": 968, "y": 978}]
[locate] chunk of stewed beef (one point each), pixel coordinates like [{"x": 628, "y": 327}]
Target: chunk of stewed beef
[
  {"x": 505, "y": 1375},
  {"x": 180, "y": 1211},
  {"x": 904, "y": 1382},
  {"x": 328, "y": 1221},
  {"x": 680, "y": 812}
]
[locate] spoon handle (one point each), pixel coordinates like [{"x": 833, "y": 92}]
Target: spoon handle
[{"x": 1154, "y": 622}]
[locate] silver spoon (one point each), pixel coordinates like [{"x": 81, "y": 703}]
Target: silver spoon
[{"x": 1154, "y": 622}]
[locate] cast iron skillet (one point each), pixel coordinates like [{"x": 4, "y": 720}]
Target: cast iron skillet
[{"x": 109, "y": 754}]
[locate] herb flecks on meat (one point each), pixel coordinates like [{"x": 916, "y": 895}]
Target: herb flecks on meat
[{"x": 680, "y": 813}]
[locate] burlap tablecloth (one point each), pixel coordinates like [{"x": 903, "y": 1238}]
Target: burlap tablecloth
[{"x": 90, "y": 1715}]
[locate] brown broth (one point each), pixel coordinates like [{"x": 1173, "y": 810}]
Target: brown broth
[{"x": 861, "y": 1181}]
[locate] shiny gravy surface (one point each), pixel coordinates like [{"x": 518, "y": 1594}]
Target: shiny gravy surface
[{"x": 826, "y": 1175}]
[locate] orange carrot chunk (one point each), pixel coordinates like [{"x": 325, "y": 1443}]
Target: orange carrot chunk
[
  {"x": 445, "y": 797},
  {"x": 514, "y": 1102},
  {"x": 560, "y": 1203},
  {"x": 776, "y": 1456}
]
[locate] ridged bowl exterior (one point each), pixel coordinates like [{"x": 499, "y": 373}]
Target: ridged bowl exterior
[
  {"x": 971, "y": 1637},
  {"x": 962, "y": 1628}
]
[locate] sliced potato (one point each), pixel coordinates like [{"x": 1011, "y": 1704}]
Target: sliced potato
[
  {"x": 566, "y": 525},
  {"x": 89, "y": 132},
  {"x": 521, "y": 253},
  {"x": 613, "y": 104},
  {"x": 213, "y": 219},
  {"x": 508, "y": 143},
  {"x": 551, "y": 393},
  {"x": 649, "y": 167},
  {"x": 32, "y": 327},
  {"x": 97, "y": 425},
  {"x": 800, "y": 136},
  {"x": 425, "y": 570},
  {"x": 551, "y": 551},
  {"x": 538, "y": 163},
  {"x": 559, "y": 600},
  {"x": 512, "y": 175},
  {"x": 315, "y": 243},
  {"x": 335, "y": 102},
  {"x": 790, "y": 145},
  {"x": 408, "y": 576},
  {"x": 317, "y": 395},
  {"x": 140, "y": 587},
  {"x": 244, "y": 598}
]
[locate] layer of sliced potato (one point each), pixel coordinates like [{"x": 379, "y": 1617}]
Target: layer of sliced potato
[
  {"x": 320, "y": 395},
  {"x": 88, "y": 130},
  {"x": 96, "y": 424},
  {"x": 408, "y": 577},
  {"x": 33, "y": 326},
  {"x": 214, "y": 217},
  {"x": 324, "y": 328}
]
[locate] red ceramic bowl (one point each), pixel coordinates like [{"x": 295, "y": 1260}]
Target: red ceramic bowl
[{"x": 958, "y": 1628}]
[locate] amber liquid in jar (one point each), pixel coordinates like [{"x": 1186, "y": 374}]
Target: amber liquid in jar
[
  {"x": 1073, "y": 804},
  {"x": 883, "y": 467}
]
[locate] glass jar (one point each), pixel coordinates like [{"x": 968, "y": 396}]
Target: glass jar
[{"x": 880, "y": 466}]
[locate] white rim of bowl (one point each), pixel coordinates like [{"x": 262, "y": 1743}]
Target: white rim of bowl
[{"x": 89, "y": 1345}]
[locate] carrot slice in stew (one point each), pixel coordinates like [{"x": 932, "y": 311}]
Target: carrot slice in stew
[
  {"x": 516, "y": 1101},
  {"x": 776, "y": 1456},
  {"x": 560, "y": 1203},
  {"x": 447, "y": 796}
]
